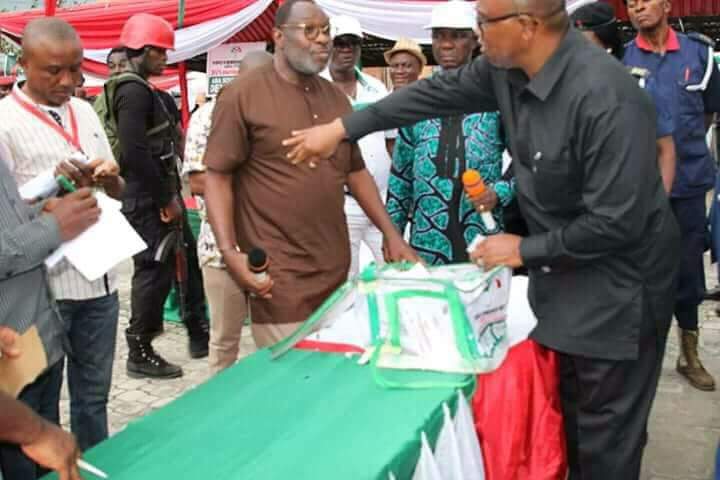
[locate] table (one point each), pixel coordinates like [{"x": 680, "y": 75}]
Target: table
[{"x": 305, "y": 415}]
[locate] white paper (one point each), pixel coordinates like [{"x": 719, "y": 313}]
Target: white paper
[
  {"x": 426, "y": 468},
  {"x": 41, "y": 187},
  {"x": 521, "y": 320},
  {"x": 468, "y": 445},
  {"x": 45, "y": 185},
  {"x": 447, "y": 454},
  {"x": 102, "y": 246}
]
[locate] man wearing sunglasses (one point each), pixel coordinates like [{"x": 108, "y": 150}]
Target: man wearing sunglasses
[
  {"x": 602, "y": 243},
  {"x": 362, "y": 90},
  {"x": 257, "y": 198}
]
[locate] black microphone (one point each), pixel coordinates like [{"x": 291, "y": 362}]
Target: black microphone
[{"x": 258, "y": 264}]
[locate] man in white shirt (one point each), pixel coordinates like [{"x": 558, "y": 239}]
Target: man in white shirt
[
  {"x": 45, "y": 128},
  {"x": 362, "y": 90}
]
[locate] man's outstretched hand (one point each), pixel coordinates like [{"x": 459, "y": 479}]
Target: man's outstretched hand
[{"x": 315, "y": 144}]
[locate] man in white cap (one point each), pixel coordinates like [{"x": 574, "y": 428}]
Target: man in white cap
[
  {"x": 430, "y": 157},
  {"x": 362, "y": 90}
]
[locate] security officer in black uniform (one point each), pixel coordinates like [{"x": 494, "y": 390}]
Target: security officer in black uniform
[
  {"x": 148, "y": 139},
  {"x": 688, "y": 82}
]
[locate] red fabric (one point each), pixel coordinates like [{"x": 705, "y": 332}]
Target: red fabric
[
  {"x": 328, "y": 347},
  {"x": 99, "y": 24},
  {"x": 190, "y": 203},
  {"x": 184, "y": 108},
  {"x": 518, "y": 418},
  {"x": 671, "y": 42}
]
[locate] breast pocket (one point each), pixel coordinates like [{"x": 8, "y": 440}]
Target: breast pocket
[
  {"x": 689, "y": 87},
  {"x": 551, "y": 178}
]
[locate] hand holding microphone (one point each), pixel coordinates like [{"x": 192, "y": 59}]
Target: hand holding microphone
[
  {"x": 258, "y": 264},
  {"x": 484, "y": 199},
  {"x": 249, "y": 270}
]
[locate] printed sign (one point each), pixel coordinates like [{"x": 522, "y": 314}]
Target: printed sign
[{"x": 224, "y": 61}]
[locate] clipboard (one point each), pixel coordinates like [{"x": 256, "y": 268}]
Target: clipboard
[{"x": 16, "y": 373}]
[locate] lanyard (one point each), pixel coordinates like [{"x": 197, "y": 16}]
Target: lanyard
[{"x": 72, "y": 139}]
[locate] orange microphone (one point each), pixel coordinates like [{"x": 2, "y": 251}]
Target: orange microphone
[{"x": 474, "y": 187}]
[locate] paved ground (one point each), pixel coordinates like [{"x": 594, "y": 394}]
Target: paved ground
[{"x": 684, "y": 430}]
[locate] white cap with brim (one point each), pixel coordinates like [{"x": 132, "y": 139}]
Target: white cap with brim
[
  {"x": 345, "y": 25},
  {"x": 455, "y": 14}
]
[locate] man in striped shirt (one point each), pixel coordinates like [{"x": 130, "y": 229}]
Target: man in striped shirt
[{"x": 45, "y": 128}]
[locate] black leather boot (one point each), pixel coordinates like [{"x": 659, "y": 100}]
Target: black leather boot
[{"x": 144, "y": 362}]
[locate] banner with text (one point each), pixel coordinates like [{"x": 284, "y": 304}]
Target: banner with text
[{"x": 224, "y": 61}]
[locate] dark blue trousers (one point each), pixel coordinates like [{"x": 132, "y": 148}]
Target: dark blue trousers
[{"x": 690, "y": 214}]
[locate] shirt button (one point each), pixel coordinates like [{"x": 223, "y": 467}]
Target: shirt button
[
  {"x": 534, "y": 169},
  {"x": 315, "y": 116},
  {"x": 307, "y": 89},
  {"x": 546, "y": 269}
]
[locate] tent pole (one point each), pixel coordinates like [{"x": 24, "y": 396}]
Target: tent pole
[
  {"x": 184, "y": 95},
  {"x": 50, "y": 8}
]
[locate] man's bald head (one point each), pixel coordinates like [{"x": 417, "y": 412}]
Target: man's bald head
[
  {"x": 49, "y": 29},
  {"x": 254, "y": 59},
  {"x": 552, "y": 12},
  {"x": 51, "y": 59}
]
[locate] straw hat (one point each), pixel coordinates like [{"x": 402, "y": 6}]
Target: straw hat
[{"x": 409, "y": 46}]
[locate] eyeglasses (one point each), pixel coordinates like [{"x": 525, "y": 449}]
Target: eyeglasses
[
  {"x": 483, "y": 22},
  {"x": 311, "y": 31}
]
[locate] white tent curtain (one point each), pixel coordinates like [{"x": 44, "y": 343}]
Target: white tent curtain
[
  {"x": 200, "y": 38},
  {"x": 394, "y": 19}
]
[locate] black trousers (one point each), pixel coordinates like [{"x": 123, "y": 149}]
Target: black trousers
[
  {"x": 606, "y": 405},
  {"x": 690, "y": 215},
  {"x": 43, "y": 397},
  {"x": 152, "y": 280}
]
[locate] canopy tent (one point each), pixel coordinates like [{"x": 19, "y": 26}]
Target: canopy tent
[
  {"x": 393, "y": 19},
  {"x": 205, "y": 24},
  {"x": 199, "y": 26}
]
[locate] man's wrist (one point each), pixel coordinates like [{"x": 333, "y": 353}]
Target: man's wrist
[
  {"x": 38, "y": 427},
  {"x": 230, "y": 248}
]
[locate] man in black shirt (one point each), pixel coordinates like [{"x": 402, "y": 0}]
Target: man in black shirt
[
  {"x": 602, "y": 244},
  {"x": 149, "y": 141}
]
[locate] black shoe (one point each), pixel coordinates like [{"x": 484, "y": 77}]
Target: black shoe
[
  {"x": 144, "y": 362},
  {"x": 199, "y": 336},
  {"x": 198, "y": 346},
  {"x": 713, "y": 294}
]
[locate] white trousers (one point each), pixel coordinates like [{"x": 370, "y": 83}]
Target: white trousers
[{"x": 362, "y": 230}]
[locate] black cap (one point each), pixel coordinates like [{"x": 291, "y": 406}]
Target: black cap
[{"x": 593, "y": 16}]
